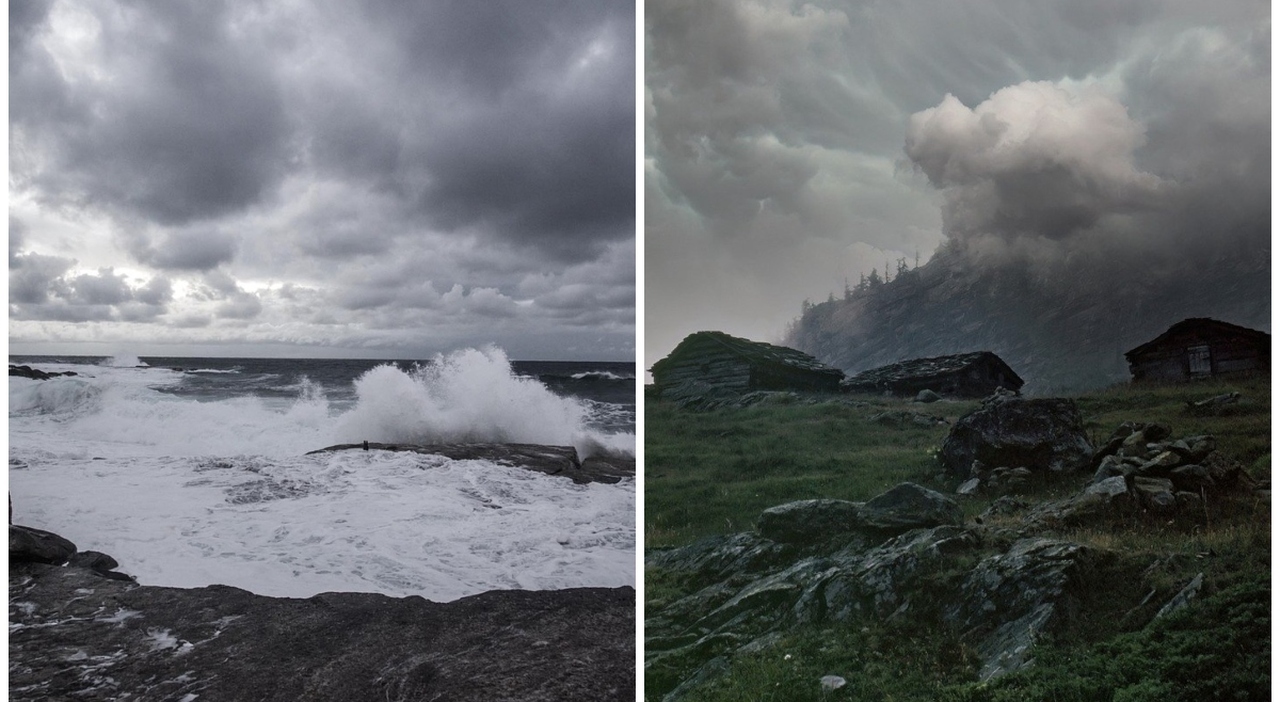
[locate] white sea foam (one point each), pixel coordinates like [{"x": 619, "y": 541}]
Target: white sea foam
[
  {"x": 467, "y": 396},
  {"x": 123, "y": 360},
  {"x": 395, "y": 523},
  {"x": 189, "y": 493}
]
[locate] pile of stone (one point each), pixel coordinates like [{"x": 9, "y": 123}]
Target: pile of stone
[{"x": 1142, "y": 470}]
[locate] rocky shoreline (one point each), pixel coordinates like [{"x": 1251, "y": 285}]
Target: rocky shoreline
[{"x": 80, "y": 630}]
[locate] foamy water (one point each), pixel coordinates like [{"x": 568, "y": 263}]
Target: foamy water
[{"x": 188, "y": 493}]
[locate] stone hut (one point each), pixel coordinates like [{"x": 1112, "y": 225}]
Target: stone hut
[
  {"x": 729, "y": 363},
  {"x": 976, "y": 374},
  {"x": 1201, "y": 348}
]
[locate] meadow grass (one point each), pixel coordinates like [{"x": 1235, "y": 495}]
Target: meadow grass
[{"x": 714, "y": 472}]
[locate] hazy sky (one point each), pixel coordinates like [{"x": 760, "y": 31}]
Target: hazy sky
[
  {"x": 792, "y": 145},
  {"x": 322, "y": 177}
]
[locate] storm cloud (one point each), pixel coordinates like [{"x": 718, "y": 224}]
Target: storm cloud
[
  {"x": 382, "y": 169},
  {"x": 793, "y": 146}
]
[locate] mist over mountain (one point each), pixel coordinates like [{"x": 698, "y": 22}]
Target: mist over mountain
[{"x": 1074, "y": 233}]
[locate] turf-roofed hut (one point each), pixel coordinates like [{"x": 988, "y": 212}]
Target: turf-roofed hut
[
  {"x": 730, "y": 363},
  {"x": 1201, "y": 348},
  {"x": 976, "y": 374}
]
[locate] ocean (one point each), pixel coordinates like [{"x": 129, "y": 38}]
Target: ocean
[{"x": 193, "y": 471}]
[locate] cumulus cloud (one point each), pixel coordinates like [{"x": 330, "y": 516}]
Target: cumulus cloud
[{"x": 1034, "y": 159}]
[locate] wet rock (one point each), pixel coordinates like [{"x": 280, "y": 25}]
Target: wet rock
[
  {"x": 1045, "y": 435},
  {"x": 552, "y": 460},
  {"x": 35, "y": 373},
  {"x": 74, "y": 635},
  {"x": 29, "y": 545}
]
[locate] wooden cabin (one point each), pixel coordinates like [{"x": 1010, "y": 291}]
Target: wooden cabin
[
  {"x": 1201, "y": 348},
  {"x": 730, "y": 363},
  {"x": 975, "y": 374}
]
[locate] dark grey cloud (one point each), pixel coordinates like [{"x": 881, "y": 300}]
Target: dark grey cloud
[
  {"x": 180, "y": 120},
  {"x": 33, "y": 276},
  {"x": 407, "y": 163},
  {"x": 195, "y": 248}
]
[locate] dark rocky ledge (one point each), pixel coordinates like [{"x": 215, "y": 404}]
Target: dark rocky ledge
[
  {"x": 552, "y": 460},
  {"x": 74, "y": 634}
]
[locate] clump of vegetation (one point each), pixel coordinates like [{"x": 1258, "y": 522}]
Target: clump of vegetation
[{"x": 714, "y": 472}]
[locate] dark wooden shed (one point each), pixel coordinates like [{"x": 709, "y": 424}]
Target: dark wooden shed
[
  {"x": 1201, "y": 348},
  {"x": 730, "y": 363},
  {"x": 976, "y": 374}
]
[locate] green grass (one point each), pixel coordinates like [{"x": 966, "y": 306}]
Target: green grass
[{"x": 714, "y": 472}]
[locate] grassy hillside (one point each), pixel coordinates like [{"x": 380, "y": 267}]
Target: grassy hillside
[{"x": 714, "y": 472}]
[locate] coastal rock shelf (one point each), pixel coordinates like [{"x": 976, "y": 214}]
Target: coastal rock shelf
[
  {"x": 74, "y": 634},
  {"x": 552, "y": 460}
]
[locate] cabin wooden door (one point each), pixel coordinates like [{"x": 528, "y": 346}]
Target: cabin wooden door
[{"x": 1199, "y": 361}]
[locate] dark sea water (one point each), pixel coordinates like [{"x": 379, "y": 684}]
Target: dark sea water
[{"x": 607, "y": 387}]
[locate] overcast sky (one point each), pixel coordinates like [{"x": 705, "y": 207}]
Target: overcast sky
[
  {"x": 793, "y": 145},
  {"x": 322, "y": 177}
]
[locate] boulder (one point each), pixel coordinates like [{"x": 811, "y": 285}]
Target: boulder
[
  {"x": 807, "y": 521},
  {"x": 1044, "y": 435},
  {"x": 28, "y": 545},
  {"x": 909, "y": 506},
  {"x": 927, "y": 395}
]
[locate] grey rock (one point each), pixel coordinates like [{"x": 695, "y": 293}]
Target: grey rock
[
  {"x": 1042, "y": 434},
  {"x": 927, "y": 395},
  {"x": 30, "y": 545},
  {"x": 93, "y": 560},
  {"x": 1155, "y": 493},
  {"x": 1108, "y": 488},
  {"x": 1012, "y": 598},
  {"x": 807, "y": 521},
  {"x": 969, "y": 487},
  {"x": 1184, "y": 596},
  {"x": 910, "y": 506},
  {"x": 1192, "y": 478},
  {"x": 1005, "y": 506},
  {"x": 717, "y": 557}
]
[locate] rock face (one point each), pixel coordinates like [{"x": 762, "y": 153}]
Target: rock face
[
  {"x": 76, "y": 635},
  {"x": 1042, "y": 435},
  {"x": 893, "y": 551}
]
